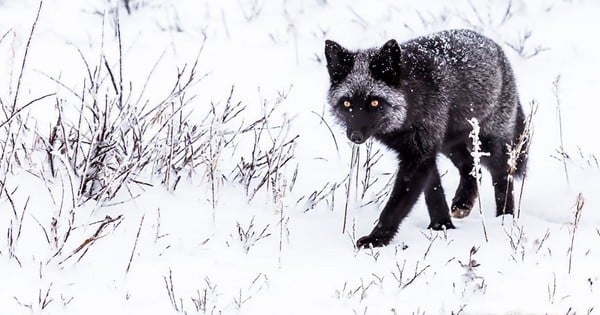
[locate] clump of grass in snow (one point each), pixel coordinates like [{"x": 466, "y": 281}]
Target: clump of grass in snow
[
  {"x": 121, "y": 142},
  {"x": 522, "y": 45},
  {"x": 206, "y": 300},
  {"x": 116, "y": 138},
  {"x": 484, "y": 16},
  {"x": 272, "y": 149},
  {"x": 249, "y": 236},
  {"x": 473, "y": 281}
]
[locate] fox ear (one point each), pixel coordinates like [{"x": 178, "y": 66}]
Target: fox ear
[
  {"x": 391, "y": 48},
  {"x": 385, "y": 65},
  {"x": 339, "y": 61}
]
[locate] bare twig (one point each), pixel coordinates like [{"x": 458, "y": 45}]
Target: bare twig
[
  {"x": 137, "y": 237},
  {"x": 353, "y": 168},
  {"x": 555, "y": 91},
  {"x": 328, "y": 128},
  {"x": 573, "y": 227},
  {"x": 87, "y": 243},
  {"x": 22, "y": 71},
  {"x": 552, "y": 289},
  {"x": 170, "y": 287},
  {"x": 16, "y": 112},
  {"x": 416, "y": 274},
  {"x": 520, "y": 46}
]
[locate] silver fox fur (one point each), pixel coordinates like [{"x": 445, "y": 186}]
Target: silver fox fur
[{"x": 416, "y": 98}]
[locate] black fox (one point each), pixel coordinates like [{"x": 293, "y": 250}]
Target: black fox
[{"x": 416, "y": 98}]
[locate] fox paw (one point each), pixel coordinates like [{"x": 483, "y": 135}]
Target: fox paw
[
  {"x": 460, "y": 212},
  {"x": 439, "y": 226},
  {"x": 372, "y": 241}
]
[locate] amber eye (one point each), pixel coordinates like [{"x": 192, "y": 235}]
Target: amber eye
[
  {"x": 347, "y": 104},
  {"x": 374, "y": 103}
]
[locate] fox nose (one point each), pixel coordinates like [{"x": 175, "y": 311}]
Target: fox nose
[{"x": 357, "y": 137}]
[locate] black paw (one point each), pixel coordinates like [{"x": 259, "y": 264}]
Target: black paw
[
  {"x": 463, "y": 201},
  {"x": 440, "y": 226},
  {"x": 460, "y": 211},
  {"x": 506, "y": 212},
  {"x": 373, "y": 241}
]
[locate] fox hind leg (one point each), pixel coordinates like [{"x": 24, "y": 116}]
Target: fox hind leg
[
  {"x": 466, "y": 193},
  {"x": 497, "y": 164}
]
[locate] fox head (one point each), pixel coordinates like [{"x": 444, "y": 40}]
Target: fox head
[{"x": 364, "y": 94}]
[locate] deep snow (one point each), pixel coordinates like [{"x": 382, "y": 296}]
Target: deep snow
[{"x": 271, "y": 52}]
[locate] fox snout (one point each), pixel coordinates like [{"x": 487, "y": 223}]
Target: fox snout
[{"x": 357, "y": 136}]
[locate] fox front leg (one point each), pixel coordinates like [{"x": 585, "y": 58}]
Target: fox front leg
[{"x": 410, "y": 183}]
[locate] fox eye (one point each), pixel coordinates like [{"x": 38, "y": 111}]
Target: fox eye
[
  {"x": 347, "y": 104},
  {"x": 374, "y": 103}
]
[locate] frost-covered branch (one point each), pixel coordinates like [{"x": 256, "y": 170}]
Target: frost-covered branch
[{"x": 477, "y": 154}]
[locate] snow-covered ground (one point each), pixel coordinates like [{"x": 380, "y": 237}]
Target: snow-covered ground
[{"x": 233, "y": 187}]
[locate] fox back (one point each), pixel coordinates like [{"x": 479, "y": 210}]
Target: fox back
[{"x": 436, "y": 81}]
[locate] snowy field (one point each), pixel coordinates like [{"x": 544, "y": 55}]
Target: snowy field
[{"x": 178, "y": 157}]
